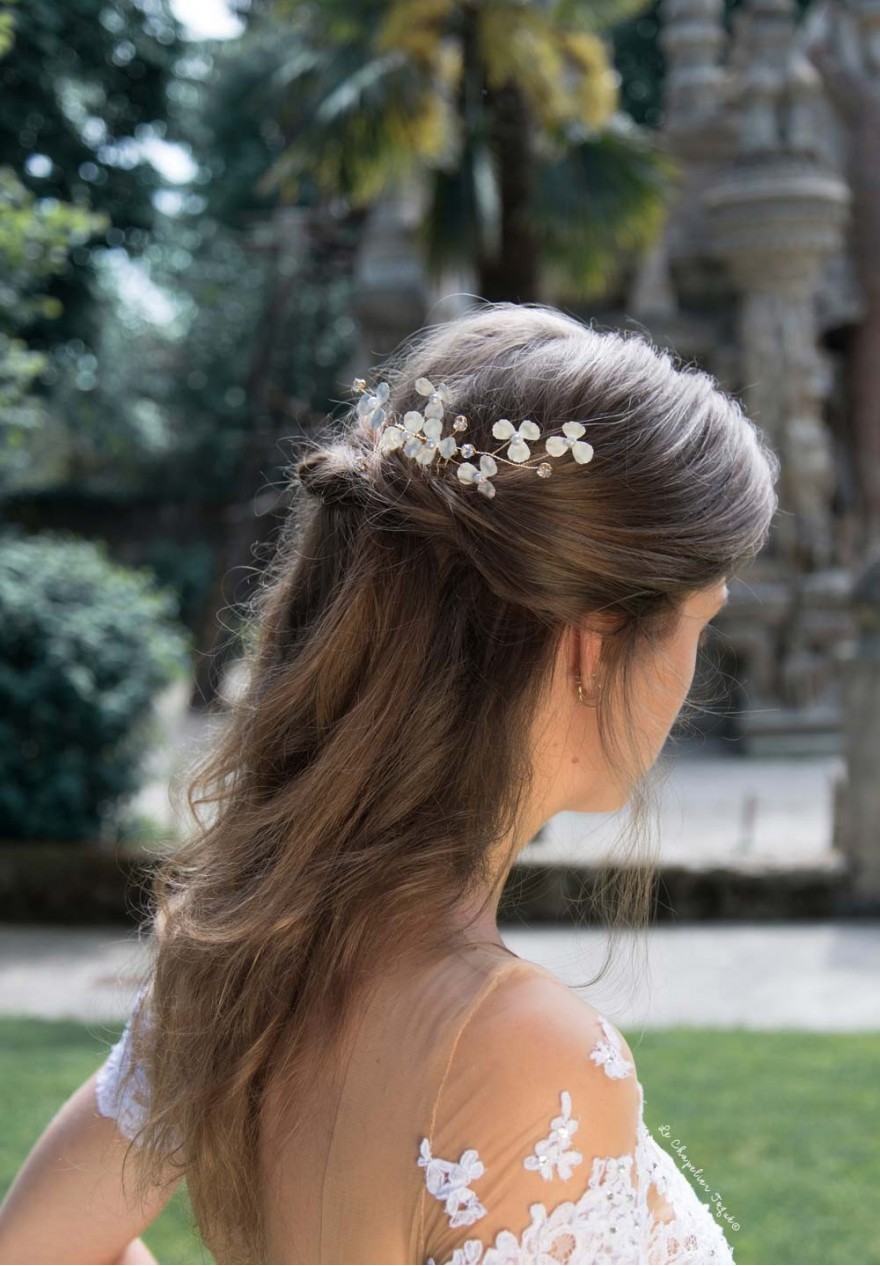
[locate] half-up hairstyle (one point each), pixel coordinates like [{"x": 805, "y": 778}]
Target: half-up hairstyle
[{"x": 402, "y": 640}]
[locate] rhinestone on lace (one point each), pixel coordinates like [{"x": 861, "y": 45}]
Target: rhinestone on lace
[
  {"x": 556, "y": 1149},
  {"x": 609, "y": 1055}
]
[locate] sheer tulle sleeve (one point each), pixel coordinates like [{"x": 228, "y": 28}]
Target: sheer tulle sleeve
[
  {"x": 126, "y": 1104},
  {"x": 537, "y": 1151}
]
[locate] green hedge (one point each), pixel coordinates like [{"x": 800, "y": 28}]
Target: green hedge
[{"x": 85, "y": 645}]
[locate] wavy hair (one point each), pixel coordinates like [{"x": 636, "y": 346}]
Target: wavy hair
[{"x": 402, "y": 638}]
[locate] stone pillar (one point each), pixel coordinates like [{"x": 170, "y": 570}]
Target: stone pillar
[
  {"x": 775, "y": 216},
  {"x": 692, "y": 37},
  {"x": 857, "y": 794},
  {"x": 391, "y": 288}
]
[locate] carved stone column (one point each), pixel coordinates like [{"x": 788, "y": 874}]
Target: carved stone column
[
  {"x": 775, "y": 215},
  {"x": 692, "y": 37},
  {"x": 857, "y": 794}
]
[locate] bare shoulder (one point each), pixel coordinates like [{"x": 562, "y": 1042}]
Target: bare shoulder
[
  {"x": 535, "y": 1066},
  {"x": 529, "y": 1003},
  {"x": 530, "y": 1023}
]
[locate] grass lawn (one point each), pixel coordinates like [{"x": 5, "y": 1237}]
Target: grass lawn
[{"x": 784, "y": 1127}]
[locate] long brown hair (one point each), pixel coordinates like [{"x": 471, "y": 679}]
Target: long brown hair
[{"x": 403, "y": 634}]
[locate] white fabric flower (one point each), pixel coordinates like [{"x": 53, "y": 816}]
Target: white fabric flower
[
  {"x": 432, "y": 431},
  {"x": 371, "y": 404},
  {"x": 469, "y": 474},
  {"x": 518, "y": 450},
  {"x": 558, "y": 445},
  {"x": 423, "y": 437},
  {"x": 425, "y": 387}
]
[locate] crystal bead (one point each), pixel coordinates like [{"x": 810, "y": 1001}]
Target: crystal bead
[
  {"x": 460, "y": 423},
  {"x": 545, "y": 470},
  {"x": 467, "y": 450}
]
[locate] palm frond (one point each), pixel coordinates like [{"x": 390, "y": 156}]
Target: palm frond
[
  {"x": 595, "y": 15},
  {"x": 417, "y": 27},
  {"x": 565, "y": 74},
  {"x": 356, "y": 125},
  {"x": 606, "y": 196}
]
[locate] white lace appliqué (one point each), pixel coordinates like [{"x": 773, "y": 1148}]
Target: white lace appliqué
[
  {"x": 128, "y": 1105},
  {"x": 609, "y": 1054},
  {"x": 604, "y": 1225},
  {"x": 450, "y": 1182},
  {"x": 612, "y": 1222},
  {"x": 556, "y": 1149}
]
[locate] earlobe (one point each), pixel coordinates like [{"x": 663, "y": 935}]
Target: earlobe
[{"x": 585, "y": 651}]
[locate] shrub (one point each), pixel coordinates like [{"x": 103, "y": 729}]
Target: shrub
[{"x": 85, "y": 644}]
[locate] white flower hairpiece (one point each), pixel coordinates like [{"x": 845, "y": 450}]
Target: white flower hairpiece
[{"x": 419, "y": 435}]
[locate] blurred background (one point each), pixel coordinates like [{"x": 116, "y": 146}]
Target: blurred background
[{"x": 213, "y": 215}]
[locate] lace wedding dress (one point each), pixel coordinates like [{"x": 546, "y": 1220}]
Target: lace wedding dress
[{"x": 486, "y": 1114}]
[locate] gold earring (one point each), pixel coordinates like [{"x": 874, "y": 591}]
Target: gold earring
[{"x": 581, "y": 697}]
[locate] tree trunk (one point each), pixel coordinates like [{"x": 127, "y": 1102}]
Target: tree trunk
[{"x": 513, "y": 275}]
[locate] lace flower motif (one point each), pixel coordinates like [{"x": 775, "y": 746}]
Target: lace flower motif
[
  {"x": 517, "y": 450},
  {"x": 450, "y": 1181},
  {"x": 609, "y": 1054},
  {"x": 556, "y": 1149},
  {"x": 558, "y": 445},
  {"x": 607, "y": 1223}
]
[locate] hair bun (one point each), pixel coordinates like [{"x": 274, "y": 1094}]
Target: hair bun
[{"x": 331, "y": 477}]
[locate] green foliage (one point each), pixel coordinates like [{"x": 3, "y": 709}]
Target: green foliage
[
  {"x": 36, "y": 238},
  {"x": 262, "y": 352},
  {"x": 230, "y": 122},
  {"x": 639, "y": 61},
  {"x": 187, "y": 569},
  {"x": 82, "y": 87},
  {"x": 578, "y": 202},
  {"x": 85, "y": 645}
]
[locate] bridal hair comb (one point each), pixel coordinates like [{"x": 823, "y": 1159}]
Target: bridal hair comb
[{"x": 419, "y": 434}]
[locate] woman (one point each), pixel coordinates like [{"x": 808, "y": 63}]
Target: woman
[{"x": 486, "y": 612}]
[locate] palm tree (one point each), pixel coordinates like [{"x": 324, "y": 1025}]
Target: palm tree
[{"x": 510, "y": 110}]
